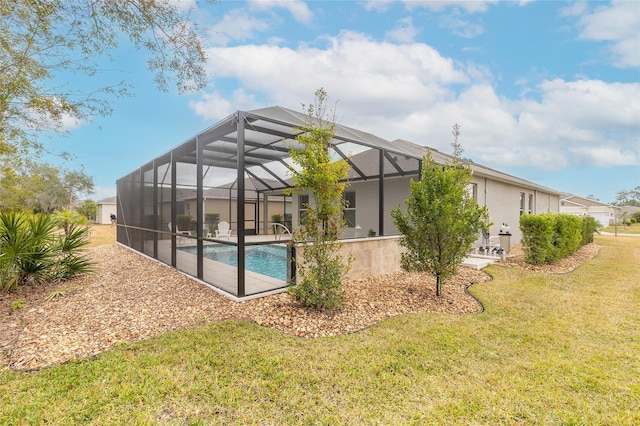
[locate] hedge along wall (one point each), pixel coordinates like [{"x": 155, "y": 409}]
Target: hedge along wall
[{"x": 548, "y": 237}]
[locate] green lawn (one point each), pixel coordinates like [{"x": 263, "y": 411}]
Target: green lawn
[
  {"x": 548, "y": 349},
  {"x": 634, "y": 228}
]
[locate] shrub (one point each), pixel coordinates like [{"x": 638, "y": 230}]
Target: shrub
[
  {"x": 548, "y": 237},
  {"x": 183, "y": 222},
  {"x": 33, "y": 251},
  {"x": 567, "y": 236},
  {"x": 589, "y": 227}
]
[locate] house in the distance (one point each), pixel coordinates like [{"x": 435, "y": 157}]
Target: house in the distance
[
  {"x": 605, "y": 214},
  {"x": 106, "y": 207}
]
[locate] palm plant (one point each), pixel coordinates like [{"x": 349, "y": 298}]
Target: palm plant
[
  {"x": 71, "y": 261},
  {"x": 23, "y": 247},
  {"x": 33, "y": 251}
]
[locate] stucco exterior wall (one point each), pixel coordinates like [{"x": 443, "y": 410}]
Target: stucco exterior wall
[
  {"x": 501, "y": 198},
  {"x": 228, "y": 211},
  {"x": 503, "y": 201},
  {"x": 371, "y": 256},
  {"x": 104, "y": 212}
]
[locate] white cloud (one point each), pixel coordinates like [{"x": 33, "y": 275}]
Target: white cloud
[
  {"x": 298, "y": 9},
  {"x": 619, "y": 24},
  {"x": 236, "y": 25},
  {"x": 183, "y": 5},
  {"x": 352, "y": 66},
  {"x": 404, "y": 32},
  {"x": 471, "y": 6},
  {"x": 459, "y": 26},
  {"x": 377, "y": 5},
  {"x": 411, "y": 91},
  {"x": 214, "y": 106},
  {"x": 576, "y": 9},
  {"x": 102, "y": 192},
  {"x": 70, "y": 122}
]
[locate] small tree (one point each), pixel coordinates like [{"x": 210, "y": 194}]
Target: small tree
[
  {"x": 68, "y": 219},
  {"x": 442, "y": 219},
  {"x": 320, "y": 274},
  {"x": 88, "y": 208}
]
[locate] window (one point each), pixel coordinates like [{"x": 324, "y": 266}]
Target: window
[
  {"x": 349, "y": 212},
  {"x": 530, "y": 203},
  {"x": 302, "y": 208},
  {"x": 522, "y": 200},
  {"x": 472, "y": 189}
]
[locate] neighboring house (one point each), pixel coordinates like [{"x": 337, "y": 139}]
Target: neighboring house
[
  {"x": 106, "y": 207},
  {"x": 604, "y": 213}
]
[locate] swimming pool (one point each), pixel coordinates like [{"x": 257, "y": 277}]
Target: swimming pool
[{"x": 269, "y": 260}]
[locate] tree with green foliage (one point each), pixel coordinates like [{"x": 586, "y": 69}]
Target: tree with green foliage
[
  {"x": 88, "y": 209},
  {"x": 628, "y": 198},
  {"x": 67, "y": 219},
  {"x": 46, "y": 46},
  {"x": 442, "y": 220},
  {"x": 42, "y": 41},
  {"x": 40, "y": 187},
  {"x": 320, "y": 273}
]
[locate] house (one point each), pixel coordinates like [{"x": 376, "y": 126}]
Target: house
[
  {"x": 506, "y": 197},
  {"x": 604, "y": 214},
  {"x": 221, "y": 203},
  {"x": 240, "y": 169},
  {"x": 106, "y": 207}
]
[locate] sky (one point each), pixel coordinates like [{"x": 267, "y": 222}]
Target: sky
[{"x": 548, "y": 91}]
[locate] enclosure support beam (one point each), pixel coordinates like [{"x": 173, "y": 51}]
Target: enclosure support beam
[
  {"x": 240, "y": 211},
  {"x": 174, "y": 209},
  {"x": 155, "y": 209},
  {"x": 381, "y": 193},
  {"x": 199, "y": 207}
]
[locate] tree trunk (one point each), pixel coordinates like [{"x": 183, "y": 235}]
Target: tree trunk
[{"x": 438, "y": 284}]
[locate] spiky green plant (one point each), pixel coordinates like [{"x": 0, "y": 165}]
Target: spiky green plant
[
  {"x": 71, "y": 259},
  {"x": 31, "y": 251}
]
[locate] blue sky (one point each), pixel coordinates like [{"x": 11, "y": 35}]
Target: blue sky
[{"x": 545, "y": 90}]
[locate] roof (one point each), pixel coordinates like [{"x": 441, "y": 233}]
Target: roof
[
  {"x": 581, "y": 201},
  {"x": 270, "y": 133},
  {"x": 108, "y": 200},
  {"x": 478, "y": 169}
]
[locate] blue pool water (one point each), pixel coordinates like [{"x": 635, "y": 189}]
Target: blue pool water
[{"x": 264, "y": 259}]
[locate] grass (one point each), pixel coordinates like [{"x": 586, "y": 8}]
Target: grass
[
  {"x": 548, "y": 349},
  {"x": 101, "y": 234},
  {"x": 634, "y": 228}
]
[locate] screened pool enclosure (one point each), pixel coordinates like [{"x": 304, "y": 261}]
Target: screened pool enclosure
[{"x": 214, "y": 206}]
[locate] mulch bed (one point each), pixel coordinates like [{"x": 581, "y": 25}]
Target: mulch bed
[{"x": 131, "y": 297}]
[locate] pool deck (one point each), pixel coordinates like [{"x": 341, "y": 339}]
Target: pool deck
[{"x": 221, "y": 276}]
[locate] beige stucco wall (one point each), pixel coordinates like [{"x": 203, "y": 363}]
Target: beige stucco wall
[
  {"x": 227, "y": 209},
  {"x": 371, "y": 256},
  {"x": 501, "y": 198},
  {"x": 104, "y": 212},
  {"x": 503, "y": 201}
]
